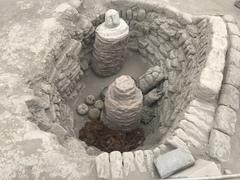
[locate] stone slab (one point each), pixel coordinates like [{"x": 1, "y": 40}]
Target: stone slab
[
  {"x": 209, "y": 84},
  {"x": 193, "y": 131},
  {"x": 233, "y": 29},
  {"x": 232, "y": 76},
  {"x": 235, "y": 42},
  {"x": 186, "y": 138},
  {"x": 218, "y": 26},
  {"x": 219, "y": 42},
  {"x": 139, "y": 161},
  {"x": 172, "y": 162},
  {"x": 233, "y": 57},
  {"x": 229, "y": 97},
  {"x": 176, "y": 142},
  {"x": 201, "y": 168},
  {"x": 128, "y": 163},
  {"x": 116, "y": 165},
  {"x": 148, "y": 156},
  {"x": 220, "y": 146},
  {"x": 103, "y": 165},
  {"x": 225, "y": 120},
  {"x": 216, "y": 59},
  {"x": 229, "y": 18}
]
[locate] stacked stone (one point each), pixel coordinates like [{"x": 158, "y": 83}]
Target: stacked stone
[
  {"x": 110, "y": 45},
  {"x": 123, "y": 104},
  {"x": 228, "y": 102}
]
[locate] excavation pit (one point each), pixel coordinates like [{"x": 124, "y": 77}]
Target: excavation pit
[{"x": 170, "y": 57}]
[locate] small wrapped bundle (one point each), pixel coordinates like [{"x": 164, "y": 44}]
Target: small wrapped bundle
[{"x": 151, "y": 79}]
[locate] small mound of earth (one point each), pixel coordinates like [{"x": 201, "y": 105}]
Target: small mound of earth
[{"x": 95, "y": 133}]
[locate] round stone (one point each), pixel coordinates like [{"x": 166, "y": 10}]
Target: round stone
[
  {"x": 99, "y": 104},
  {"x": 141, "y": 15},
  {"x": 94, "y": 114},
  {"x": 90, "y": 100},
  {"x": 82, "y": 109}
]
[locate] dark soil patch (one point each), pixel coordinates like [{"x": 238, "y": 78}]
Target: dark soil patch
[{"x": 95, "y": 133}]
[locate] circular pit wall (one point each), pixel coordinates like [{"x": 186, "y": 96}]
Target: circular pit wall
[{"x": 198, "y": 110}]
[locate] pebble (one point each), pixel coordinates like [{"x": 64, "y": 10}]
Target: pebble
[
  {"x": 90, "y": 100},
  {"x": 82, "y": 109},
  {"x": 94, "y": 114},
  {"x": 99, "y": 104}
]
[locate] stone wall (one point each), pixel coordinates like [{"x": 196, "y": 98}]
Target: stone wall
[
  {"x": 193, "y": 51},
  {"x": 228, "y": 102},
  {"x": 186, "y": 47}
]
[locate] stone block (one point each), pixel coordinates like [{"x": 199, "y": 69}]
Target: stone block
[
  {"x": 232, "y": 76},
  {"x": 128, "y": 163},
  {"x": 116, "y": 165},
  {"x": 219, "y": 42},
  {"x": 229, "y": 18},
  {"x": 229, "y": 97},
  {"x": 204, "y": 127},
  {"x": 173, "y": 161},
  {"x": 141, "y": 14},
  {"x": 139, "y": 161},
  {"x": 187, "y": 139},
  {"x": 193, "y": 131},
  {"x": 171, "y": 12},
  {"x": 203, "y": 110},
  {"x": 216, "y": 60},
  {"x": 129, "y": 14},
  {"x": 225, "y": 120},
  {"x": 218, "y": 26},
  {"x": 233, "y": 29},
  {"x": 154, "y": 40},
  {"x": 233, "y": 57},
  {"x": 235, "y": 42},
  {"x": 201, "y": 168},
  {"x": 103, "y": 165},
  {"x": 59, "y": 131},
  {"x": 156, "y": 152},
  {"x": 142, "y": 43},
  {"x": 209, "y": 84},
  {"x": 148, "y": 156},
  {"x": 185, "y": 18},
  {"x": 220, "y": 146},
  {"x": 176, "y": 142}
]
